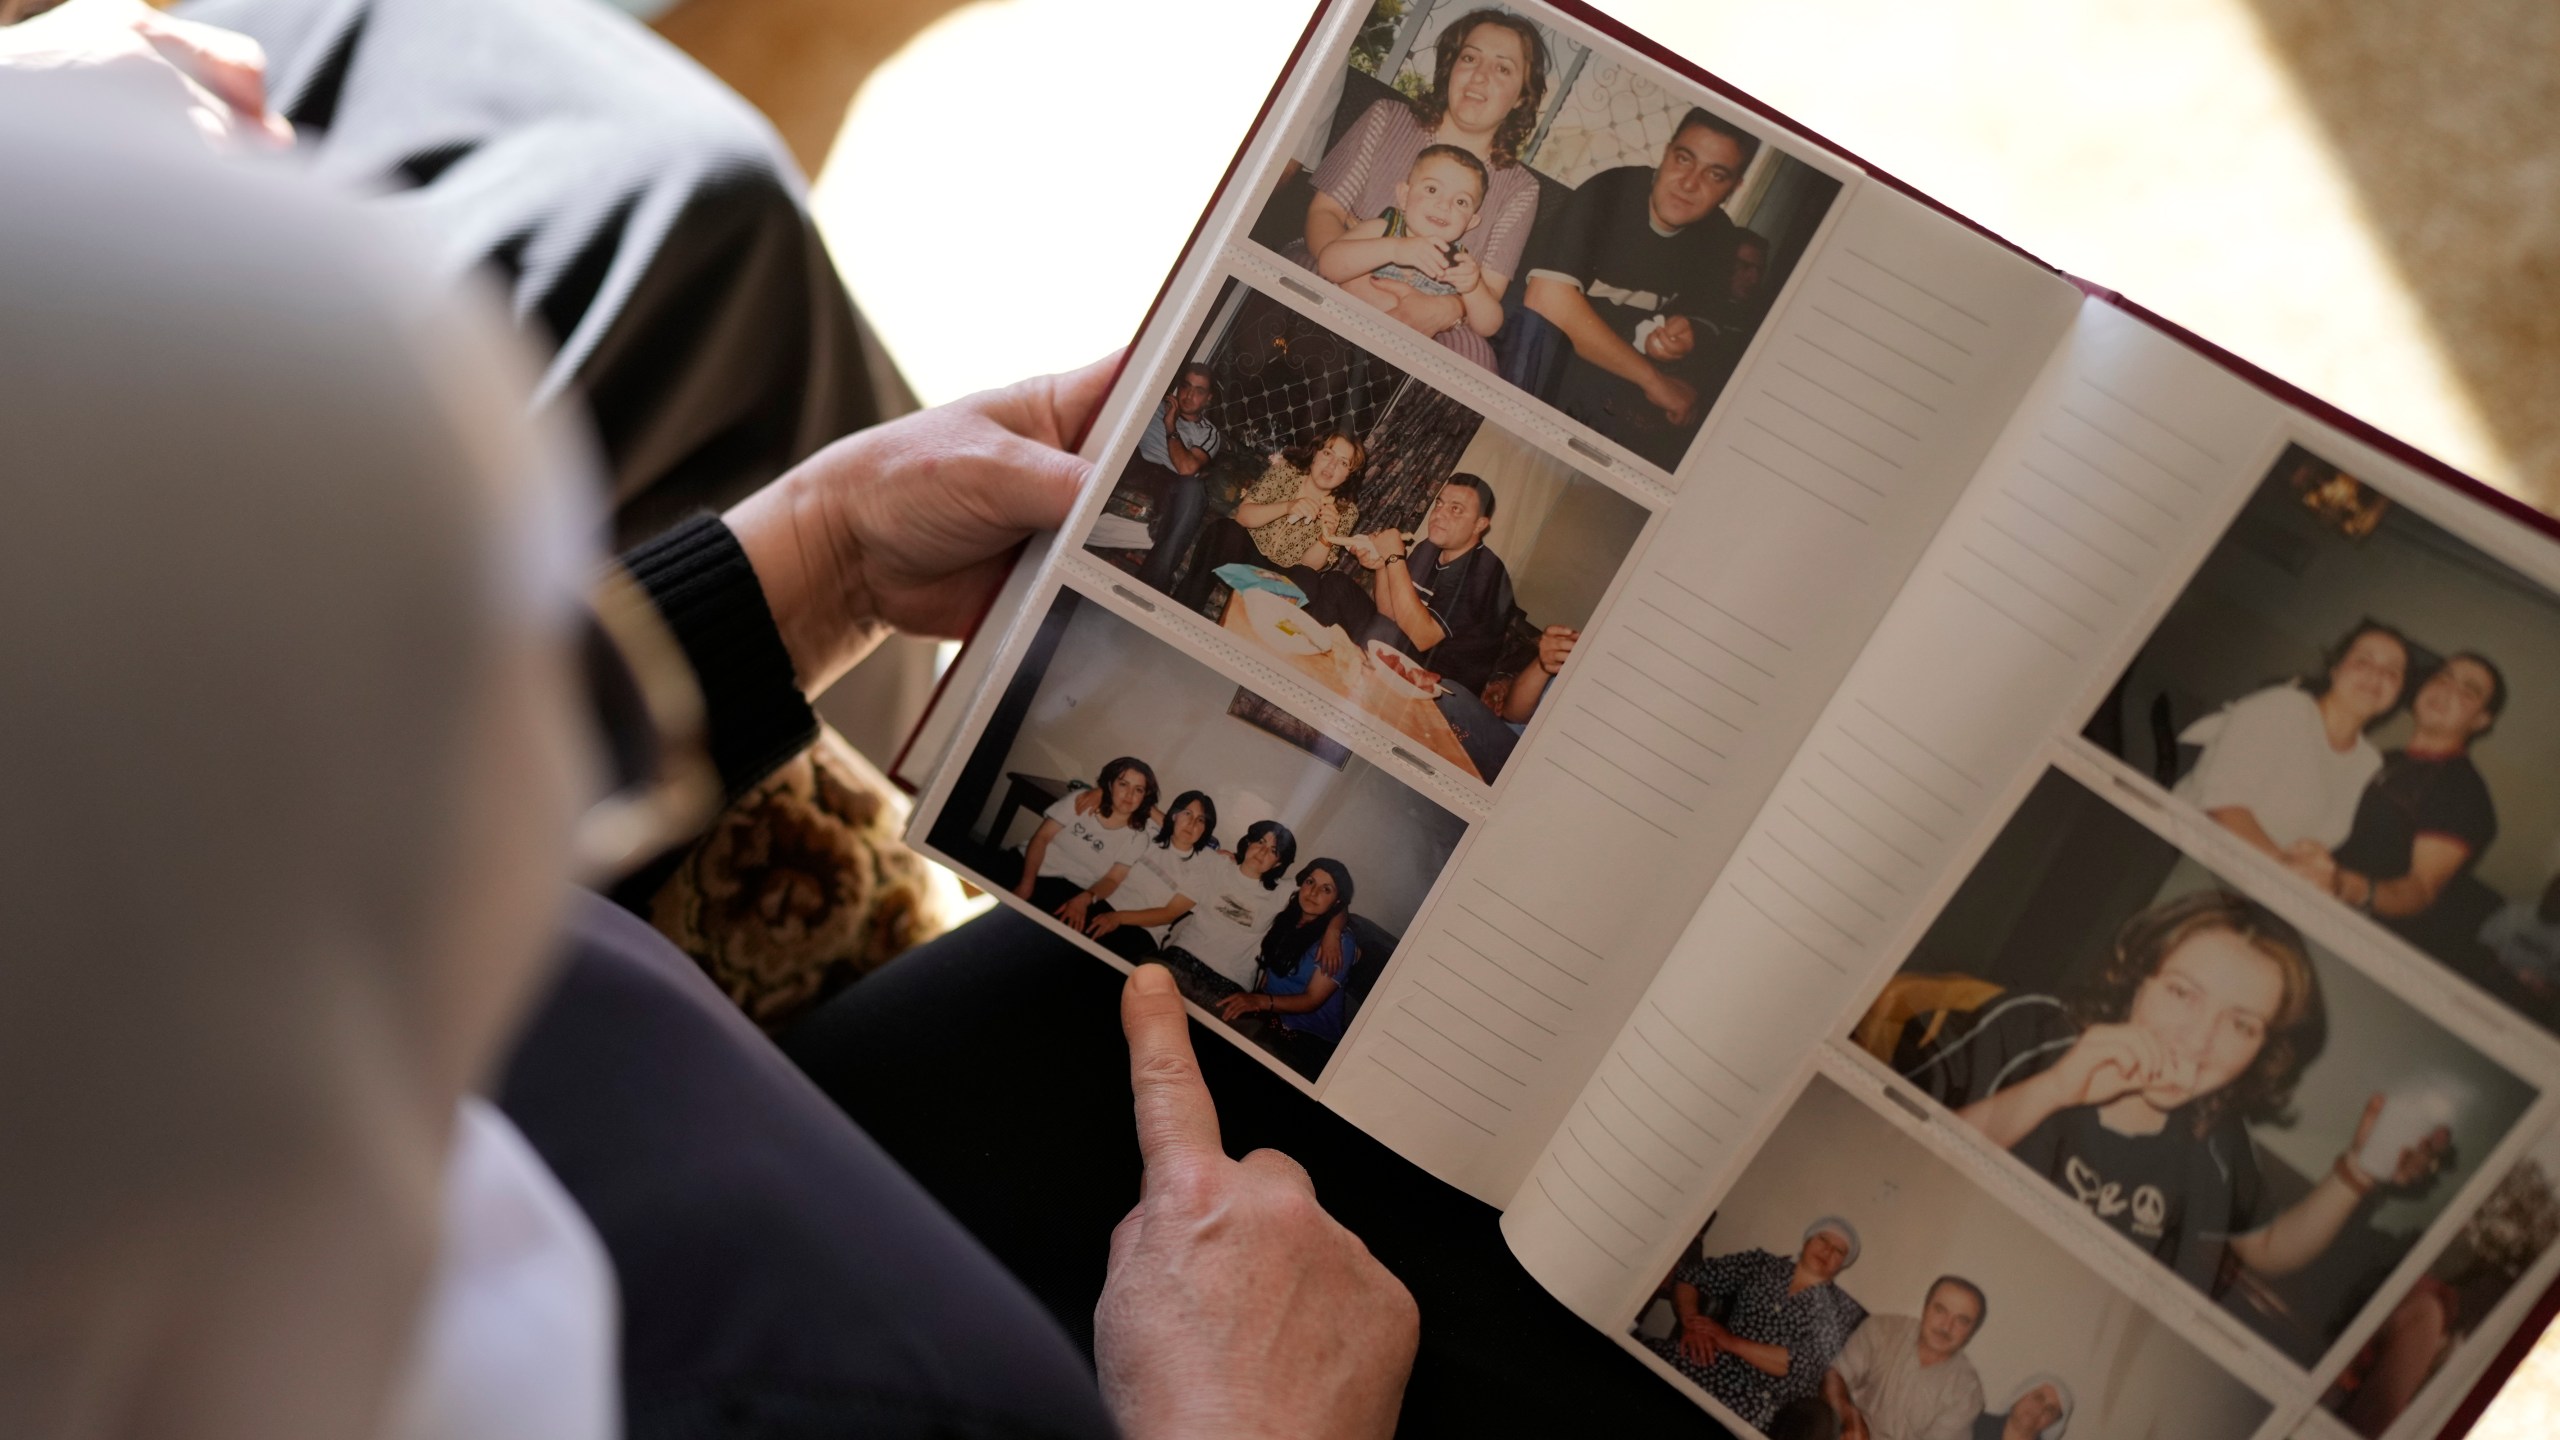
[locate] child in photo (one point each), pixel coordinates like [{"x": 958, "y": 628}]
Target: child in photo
[
  {"x": 1417, "y": 247},
  {"x": 1087, "y": 841}
]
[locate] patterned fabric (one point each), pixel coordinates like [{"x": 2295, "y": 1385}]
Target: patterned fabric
[
  {"x": 803, "y": 885},
  {"x": 1284, "y": 541},
  {"x": 1748, "y": 1290}
]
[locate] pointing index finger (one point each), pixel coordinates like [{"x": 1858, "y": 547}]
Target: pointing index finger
[{"x": 1177, "y": 1123}]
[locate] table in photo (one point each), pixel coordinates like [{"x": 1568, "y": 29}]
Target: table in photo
[{"x": 1353, "y": 676}]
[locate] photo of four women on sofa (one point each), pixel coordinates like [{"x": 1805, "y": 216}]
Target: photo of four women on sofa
[
  {"x": 1854, "y": 1286},
  {"x": 2374, "y": 705},
  {"x": 1549, "y": 213},
  {"x": 1284, "y": 459},
  {"x": 1165, "y": 815},
  {"x": 2242, "y": 1106}
]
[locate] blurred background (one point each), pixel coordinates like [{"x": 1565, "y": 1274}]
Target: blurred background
[{"x": 2364, "y": 199}]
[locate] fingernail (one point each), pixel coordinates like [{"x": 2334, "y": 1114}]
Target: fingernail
[{"x": 1151, "y": 980}]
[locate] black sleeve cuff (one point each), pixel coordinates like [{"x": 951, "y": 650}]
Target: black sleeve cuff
[{"x": 698, "y": 577}]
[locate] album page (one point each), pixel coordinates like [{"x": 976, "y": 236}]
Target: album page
[
  {"x": 2134, "y": 1009},
  {"x": 1422, "y": 651}
]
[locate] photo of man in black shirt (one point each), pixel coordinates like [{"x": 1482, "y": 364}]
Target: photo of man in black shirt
[
  {"x": 1614, "y": 326},
  {"x": 2426, "y": 816}
]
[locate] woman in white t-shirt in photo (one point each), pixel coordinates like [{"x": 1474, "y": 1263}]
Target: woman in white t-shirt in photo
[
  {"x": 1214, "y": 949},
  {"x": 1082, "y": 850},
  {"x": 1165, "y": 879},
  {"x": 2283, "y": 768}
]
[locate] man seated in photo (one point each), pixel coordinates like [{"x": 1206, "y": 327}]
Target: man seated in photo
[
  {"x": 2426, "y": 816},
  {"x": 1443, "y": 597},
  {"x": 1620, "y": 282},
  {"x": 1176, "y": 445},
  {"x": 1906, "y": 1378}
]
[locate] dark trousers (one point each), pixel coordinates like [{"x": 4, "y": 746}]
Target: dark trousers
[
  {"x": 779, "y": 1277},
  {"x": 1533, "y": 354},
  {"x": 989, "y": 1063},
  {"x": 1178, "y": 503}
]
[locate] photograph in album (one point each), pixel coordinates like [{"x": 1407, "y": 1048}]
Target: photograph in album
[
  {"x": 2187, "y": 1069},
  {"x": 1357, "y": 527},
  {"x": 1850, "y": 1272},
  {"x": 2373, "y": 704},
  {"x": 1549, "y": 214},
  {"x": 2436, "y": 1318},
  {"x": 1123, "y": 792}
]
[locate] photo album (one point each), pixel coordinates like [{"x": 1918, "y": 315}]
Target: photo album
[{"x": 1956, "y": 861}]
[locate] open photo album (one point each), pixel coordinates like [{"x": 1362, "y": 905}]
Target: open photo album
[{"x": 1956, "y": 861}]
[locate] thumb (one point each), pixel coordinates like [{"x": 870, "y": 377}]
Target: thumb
[{"x": 1055, "y": 410}]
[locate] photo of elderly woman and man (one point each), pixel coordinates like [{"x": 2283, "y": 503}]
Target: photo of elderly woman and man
[
  {"x": 1551, "y": 213},
  {"x": 1132, "y": 796},
  {"x": 1852, "y": 1286},
  {"x": 1414, "y": 537},
  {"x": 2374, "y": 705},
  {"x": 2179, "y": 1061}
]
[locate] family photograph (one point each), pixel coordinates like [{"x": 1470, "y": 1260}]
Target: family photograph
[
  {"x": 1134, "y": 798},
  {"x": 1556, "y": 216}
]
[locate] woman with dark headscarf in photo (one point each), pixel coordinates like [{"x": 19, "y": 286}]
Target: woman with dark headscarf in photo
[
  {"x": 1306, "y": 1001},
  {"x": 2283, "y": 768},
  {"x": 1489, "y": 80},
  {"x": 1165, "y": 879},
  {"x": 1758, "y": 1330},
  {"x": 2134, "y": 1096}
]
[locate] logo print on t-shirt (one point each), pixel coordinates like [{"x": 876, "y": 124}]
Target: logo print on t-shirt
[
  {"x": 2150, "y": 1212},
  {"x": 1234, "y": 910},
  {"x": 2104, "y": 1196}
]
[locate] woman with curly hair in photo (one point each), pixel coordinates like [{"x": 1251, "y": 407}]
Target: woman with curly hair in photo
[
  {"x": 2134, "y": 1097},
  {"x": 1488, "y": 83}
]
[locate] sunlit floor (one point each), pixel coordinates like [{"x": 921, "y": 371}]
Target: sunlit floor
[{"x": 2158, "y": 147}]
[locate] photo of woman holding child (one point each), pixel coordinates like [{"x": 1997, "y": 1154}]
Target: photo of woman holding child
[{"x": 1423, "y": 208}]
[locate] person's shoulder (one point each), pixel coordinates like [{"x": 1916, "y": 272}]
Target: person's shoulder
[{"x": 1382, "y": 116}]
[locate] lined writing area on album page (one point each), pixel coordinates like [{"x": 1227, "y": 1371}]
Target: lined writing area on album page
[
  {"x": 2114, "y": 474},
  {"x": 1827, "y": 467}
]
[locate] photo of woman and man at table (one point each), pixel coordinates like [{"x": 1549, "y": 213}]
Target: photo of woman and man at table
[
  {"x": 1548, "y": 212},
  {"x": 2186, "y": 1068},
  {"x": 1853, "y": 1286},
  {"x": 2374, "y": 704},
  {"x": 1367, "y": 531},
  {"x": 1132, "y": 796}
]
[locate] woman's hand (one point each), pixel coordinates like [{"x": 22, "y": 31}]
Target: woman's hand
[
  {"x": 2109, "y": 1062},
  {"x": 1699, "y": 1339},
  {"x": 1104, "y": 923},
  {"x": 1234, "y": 1306},
  {"x": 215, "y": 78},
  {"x": 1089, "y": 800},
  {"x": 1073, "y": 910},
  {"x": 1237, "y": 1006},
  {"x": 1426, "y": 314},
  {"x": 913, "y": 524},
  {"x": 2312, "y": 861}
]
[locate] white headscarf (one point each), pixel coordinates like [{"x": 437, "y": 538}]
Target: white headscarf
[
  {"x": 286, "y": 775},
  {"x": 2061, "y": 1391}
]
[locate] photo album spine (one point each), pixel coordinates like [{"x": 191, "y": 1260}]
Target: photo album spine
[{"x": 1846, "y": 781}]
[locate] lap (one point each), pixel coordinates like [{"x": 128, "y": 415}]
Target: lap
[{"x": 990, "y": 1064}]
